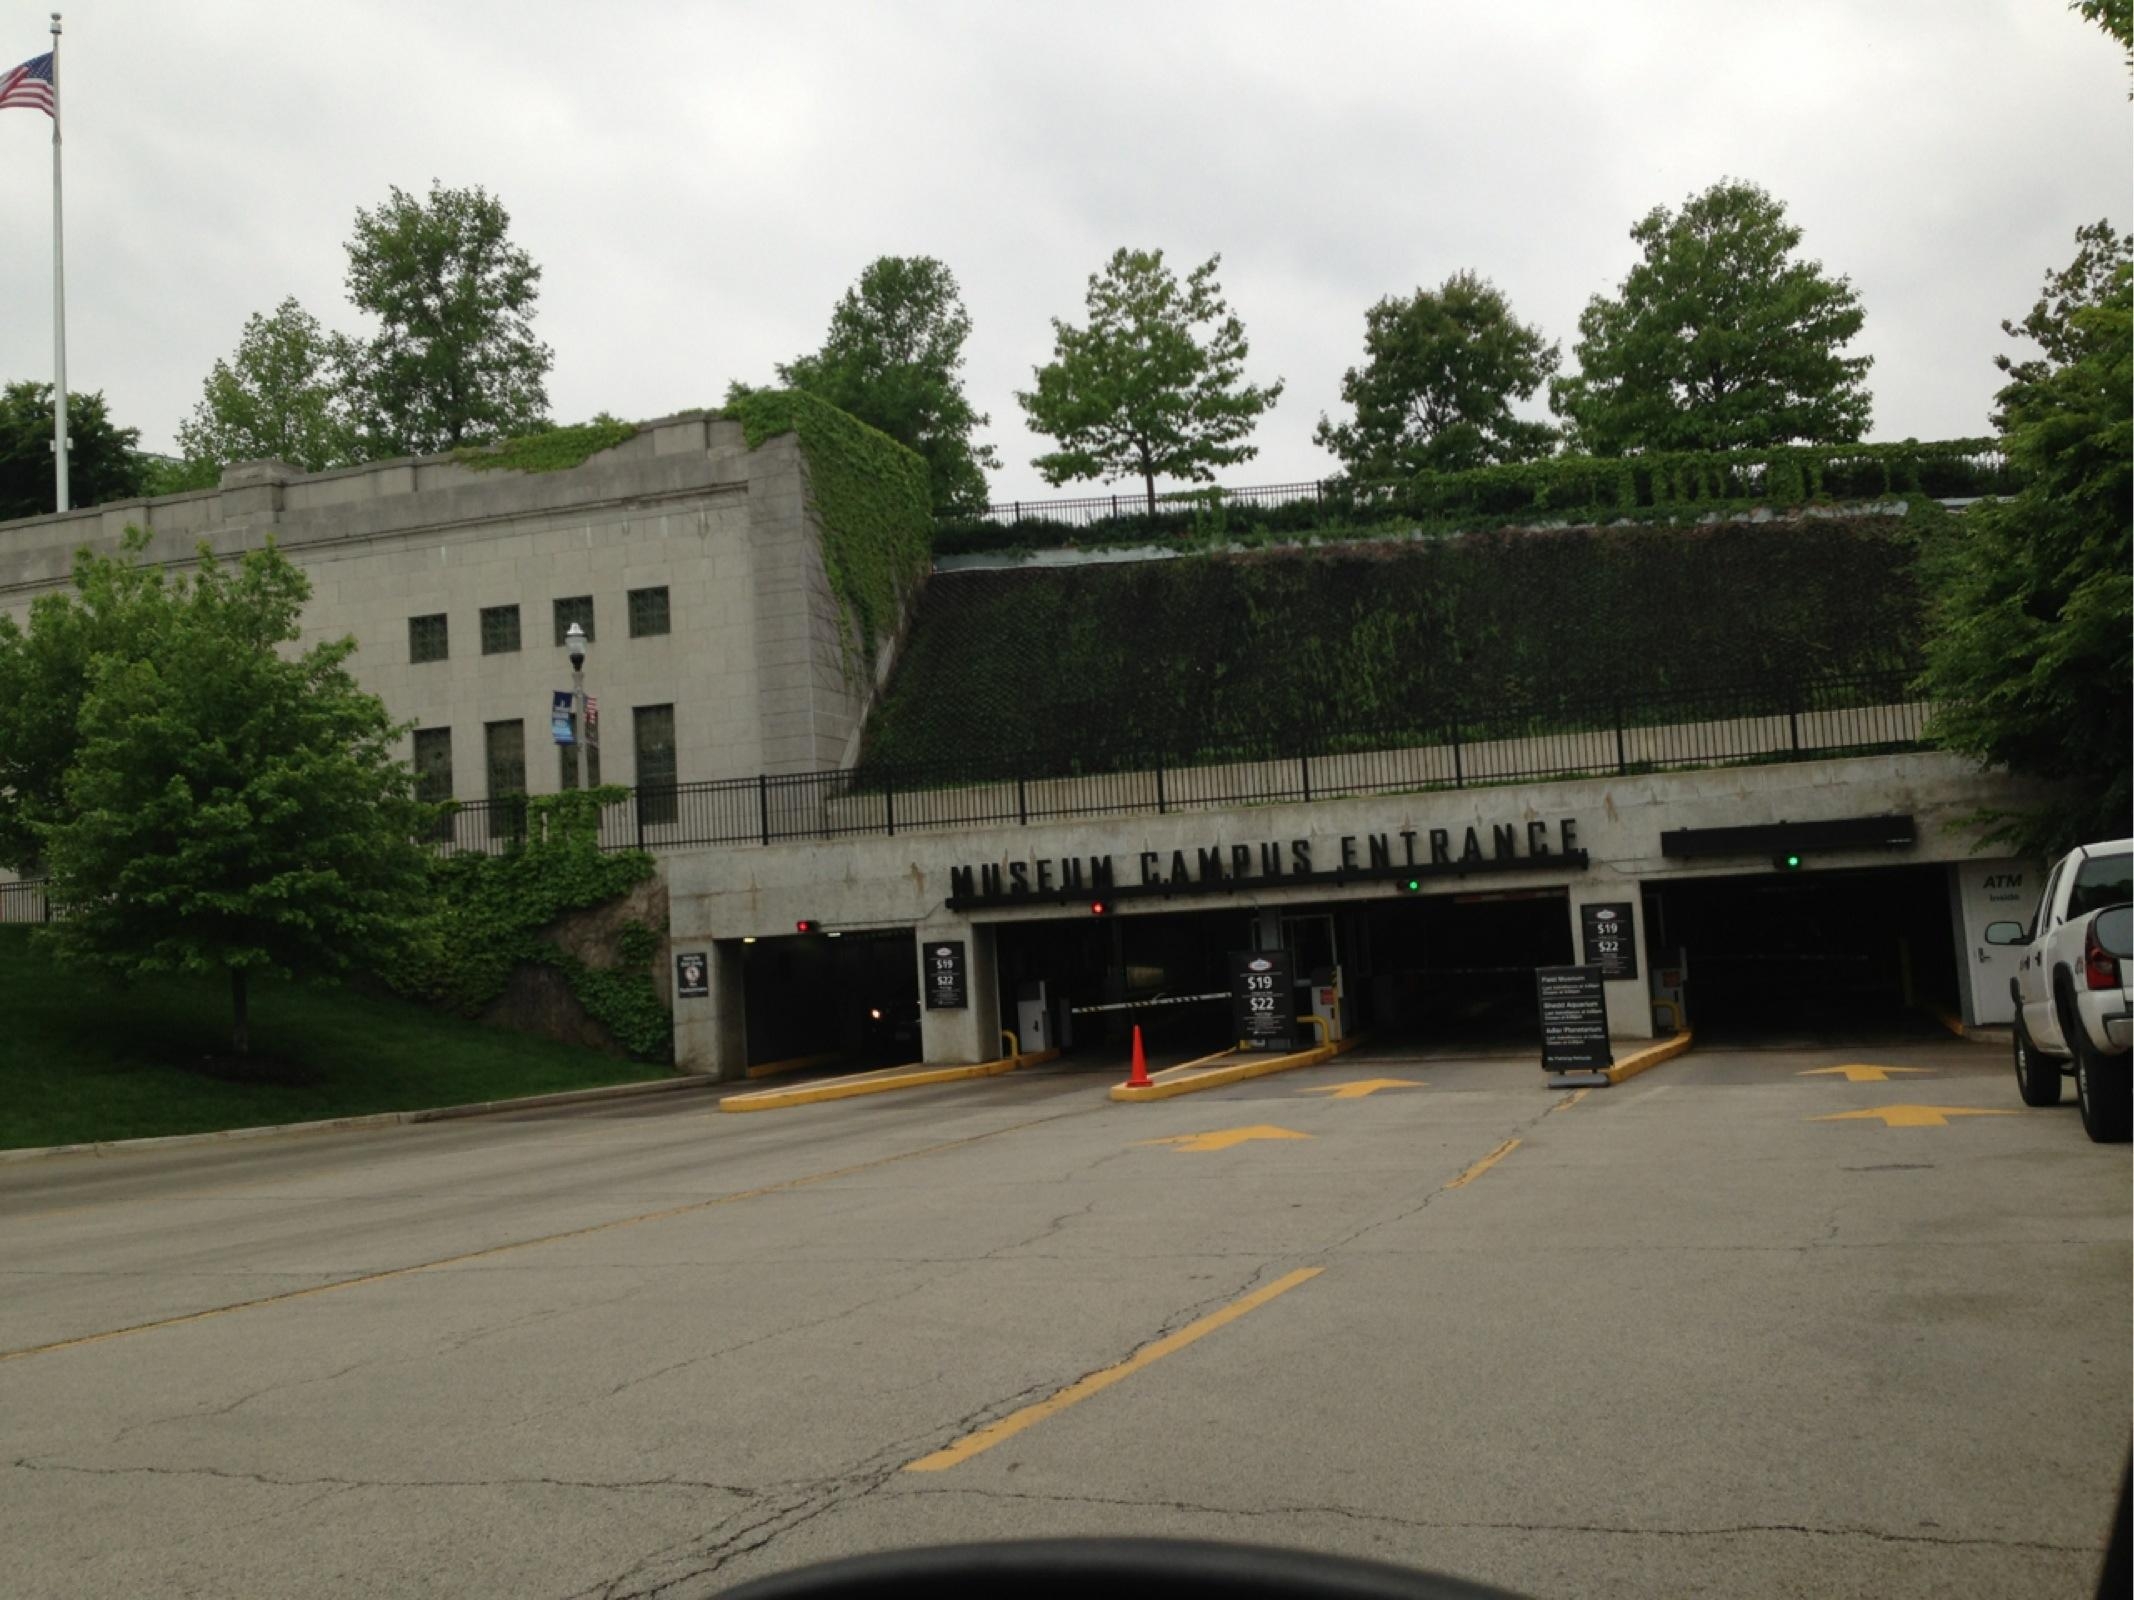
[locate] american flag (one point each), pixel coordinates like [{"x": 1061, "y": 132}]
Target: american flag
[{"x": 30, "y": 85}]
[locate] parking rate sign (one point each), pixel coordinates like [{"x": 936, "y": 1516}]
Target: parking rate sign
[
  {"x": 1263, "y": 998},
  {"x": 1609, "y": 945},
  {"x": 943, "y": 962}
]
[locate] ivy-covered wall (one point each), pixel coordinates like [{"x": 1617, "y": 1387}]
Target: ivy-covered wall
[
  {"x": 488, "y": 916},
  {"x": 1030, "y": 668},
  {"x": 876, "y": 510}
]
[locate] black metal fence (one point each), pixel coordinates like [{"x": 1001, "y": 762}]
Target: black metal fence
[
  {"x": 1871, "y": 713},
  {"x": 24, "y": 902},
  {"x": 1083, "y": 511}
]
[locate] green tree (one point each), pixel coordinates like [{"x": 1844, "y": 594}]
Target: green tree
[
  {"x": 1441, "y": 369},
  {"x": 2029, "y": 660},
  {"x": 893, "y": 357},
  {"x": 227, "y": 807},
  {"x": 1719, "y": 339},
  {"x": 277, "y": 399},
  {"x": 1140, "y": 393},
  {"x": 455, "y": 360},
  {"x": 102, "y": 460}
]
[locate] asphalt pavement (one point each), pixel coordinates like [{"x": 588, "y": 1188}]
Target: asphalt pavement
[{"x": 1758, "y": 1322}]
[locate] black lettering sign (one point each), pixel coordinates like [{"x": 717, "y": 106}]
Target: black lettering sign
[
  {"x": 1473, "y": 852},
  {"x": 692, "y": 975},
  {"x": 1574, "y": 1019},
  {"x": 1148, "y": 874},
  {"x": 1018, "y": 877},
  {"x": 1100, "y": 872},
  {"x": 1505, "y": 839},
  {"x": 1270, "y": 860},
  {"x": 1537, "y": 838},
  {"x": 1263, "y": 999},
  {"x": 1211, "y": 864},
  {"x": 1440, "y": 848},
  {"x": 1608, "y": 941},
  {"x": 960, "y": 881},
  {"x": 1381, "y": 850},
  {"x": 1240, "y": 860},
  {"x": 941, "y": 960}
]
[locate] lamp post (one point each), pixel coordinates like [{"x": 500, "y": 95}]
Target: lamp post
[{"x": 574, "y": 641}]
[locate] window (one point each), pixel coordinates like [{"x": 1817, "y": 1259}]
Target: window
[
  {"x": 567, "y": 759},
  {"x": 578, "y": 609},
  {"x": 655, "y": 764},
  {"x": 506, "y": 750},
  {"x": 648, "y": 612},
  {"x": 427, "y": 640},
  {"x": 2099, "y": 882},
  {"x": 433, "y": 773},
  {"x": 500, "y": 630}
]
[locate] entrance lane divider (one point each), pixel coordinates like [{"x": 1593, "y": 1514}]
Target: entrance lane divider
[
  {"x": 1226, "y": 1067},
  {"x": 882, "y": 1080},
  {"x": 1645, "y": 1060}
]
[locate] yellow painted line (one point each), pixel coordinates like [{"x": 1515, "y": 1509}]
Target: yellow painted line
[
  {"x": 1857, "y": 1072},
  {"x": 1569, "y": 1100},
  {"x": 1645, "y": 1060},
  {"x": 1482, "y": 1166},
  {"x": 881, "y": 1081},
  {"x": 660, "y": 1215},
  {"x": 1194, "y": 1076},
  {"x": 1075, "y": 1393},
  {"x": 778, "y": 1069}
]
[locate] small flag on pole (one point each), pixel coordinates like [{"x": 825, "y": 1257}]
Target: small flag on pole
[{"x": 30, "y": 86}]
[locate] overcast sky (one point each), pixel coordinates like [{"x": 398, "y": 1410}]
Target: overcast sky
[{"x": 700, "y": 181}]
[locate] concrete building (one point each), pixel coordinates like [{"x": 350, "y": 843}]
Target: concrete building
[
  {"x": 1416, "y": 891},
  {"x": 691, "y": 561}
]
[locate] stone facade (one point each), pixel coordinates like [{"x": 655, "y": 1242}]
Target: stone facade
[
  {"x": 720, "y": 897},
  {"x": 751, "y": 664}
]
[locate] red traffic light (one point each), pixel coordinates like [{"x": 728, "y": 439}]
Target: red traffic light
[
  {"x": 1100, "y": 908},
  {"x": 806, "y": 925}
]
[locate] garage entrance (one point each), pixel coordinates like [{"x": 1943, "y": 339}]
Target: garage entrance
[
  {"x": 1101, "y": 975},
  {"x": 1458, "y": 970},
  {"x": 856, "y": 993},
  {"x": 1783, "y": 955}
]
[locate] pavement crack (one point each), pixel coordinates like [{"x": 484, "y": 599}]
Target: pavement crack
[
  {"x": 1433, "y": 1524},
  {"x": 276, "y": 1481}
]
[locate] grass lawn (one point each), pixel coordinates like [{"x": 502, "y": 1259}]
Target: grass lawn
[{"x": 84, "y": 1058}]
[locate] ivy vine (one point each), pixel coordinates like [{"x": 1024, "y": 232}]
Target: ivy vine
[
  {"x": 551, "y": 450},
  {"x": 876, "y": 509},
  {"x": 486, "y": 914}
]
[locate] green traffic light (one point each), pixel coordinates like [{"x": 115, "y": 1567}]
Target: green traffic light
[{"x": 1792, "y": 862}]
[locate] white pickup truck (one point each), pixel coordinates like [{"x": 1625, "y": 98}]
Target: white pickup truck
[{"x": 2073, "y": 995}]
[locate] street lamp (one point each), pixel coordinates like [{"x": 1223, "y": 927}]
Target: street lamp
[{"x": 574, "y": 641}]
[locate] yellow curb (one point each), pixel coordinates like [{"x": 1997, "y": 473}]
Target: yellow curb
[
  {"x": 778, "y": 1069},
  {"x": 1645, "y": 1060},
  {"x": 1191, "y": 1077},
  {"x": 877, "y": 1082}
]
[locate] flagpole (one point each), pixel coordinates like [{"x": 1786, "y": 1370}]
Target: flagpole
[{"x": 59, "y": 297}]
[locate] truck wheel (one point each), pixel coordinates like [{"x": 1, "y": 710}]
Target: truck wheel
[
  {"x": 2105, "y": 1091},
  {"x": 2037, "y": 1078},
  {"x": 2102, "y": 1086}
]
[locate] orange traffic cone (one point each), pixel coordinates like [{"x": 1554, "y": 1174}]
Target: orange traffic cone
[{"x": 1139, "y": 1078}]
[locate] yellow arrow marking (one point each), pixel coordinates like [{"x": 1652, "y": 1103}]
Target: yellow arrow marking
[
  {"x": 1361, "y": 1087},
  {"x": 1858, "y": 1073},
  {"x": 1914, "y": 1116},
  {"x": 1224, "y": 1138}
]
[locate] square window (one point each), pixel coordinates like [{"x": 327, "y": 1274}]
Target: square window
[
  {"x": 427, "y": 638},
  {"x": 648, "y": 612},
  {"x": 578, "y": 609},
  {"x": 500, "y": 630}
]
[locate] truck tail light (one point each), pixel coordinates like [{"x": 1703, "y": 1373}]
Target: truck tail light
[{"x": 2100, "y": 968}]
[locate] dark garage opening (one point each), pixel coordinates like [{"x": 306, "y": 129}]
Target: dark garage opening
[
  {"x": 1153, "y": 965},
  {"x": 855, "y": 993},
  {"x": 1857, "y": 953},
  {"x": 1458, "y": 970}
]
